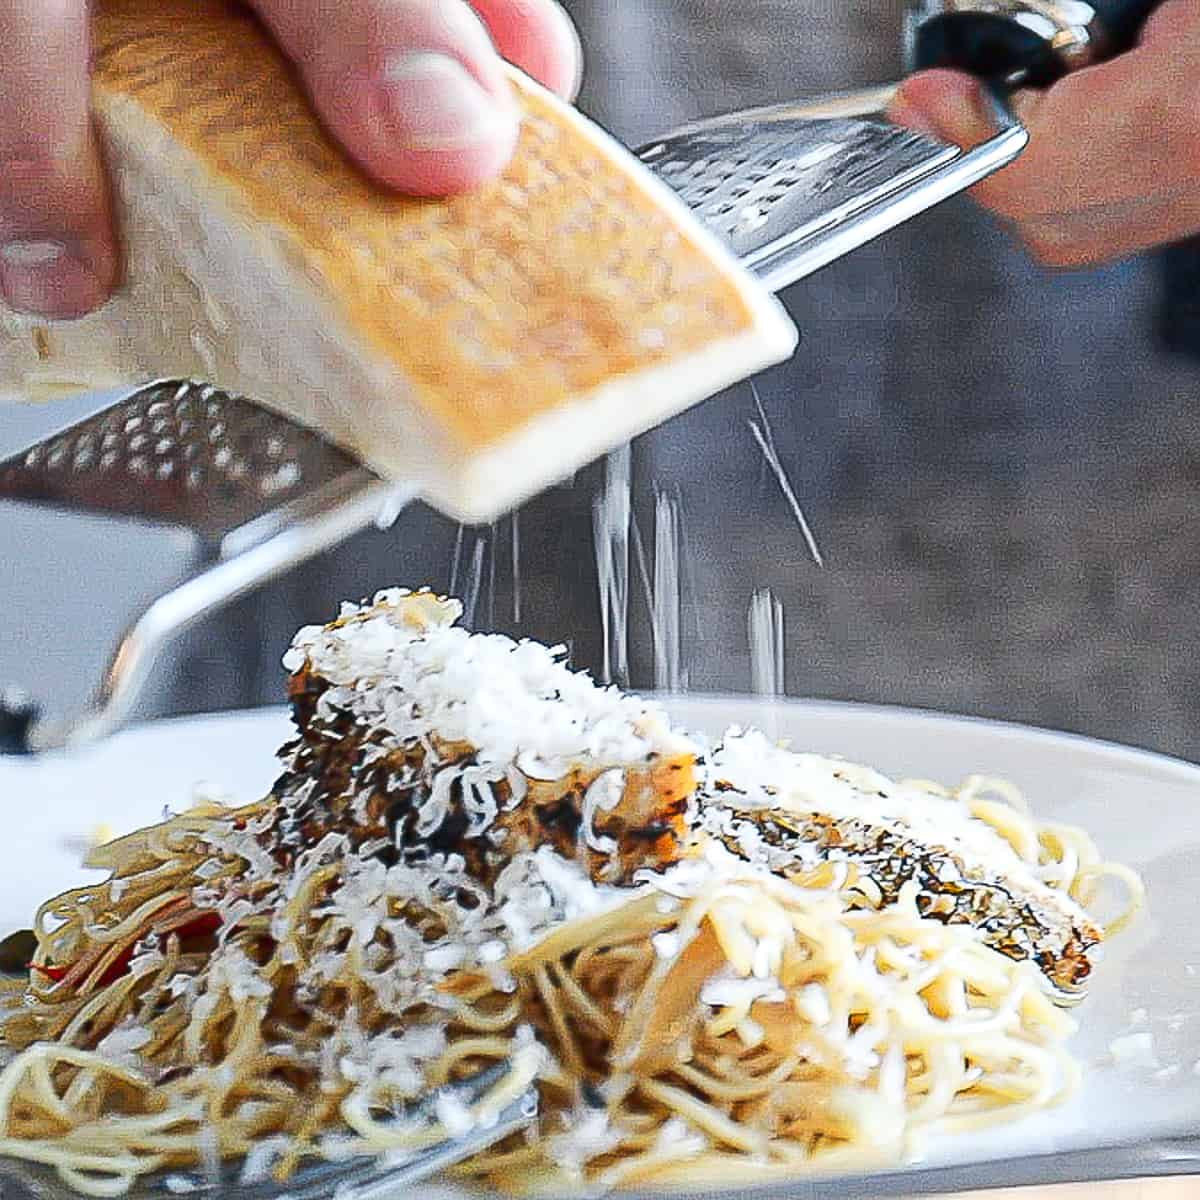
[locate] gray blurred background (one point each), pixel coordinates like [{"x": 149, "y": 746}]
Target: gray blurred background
[{"x": 1000, "y": 463}]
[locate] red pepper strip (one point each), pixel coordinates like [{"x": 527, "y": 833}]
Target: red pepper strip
[
  {"x": 205, "y": 923},
  {"x": 55, "y": 973},
  {"x": 208, "y": 922}
]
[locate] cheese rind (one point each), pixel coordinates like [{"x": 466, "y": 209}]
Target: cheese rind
[{"x": 480, "y": 347}]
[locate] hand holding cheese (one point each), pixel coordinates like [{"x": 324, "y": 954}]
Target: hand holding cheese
[{"x": 413, "y": 89}]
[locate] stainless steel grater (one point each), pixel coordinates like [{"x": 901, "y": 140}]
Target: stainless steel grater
[
  {"x": 791, "y": 188},
  {"x": 261, "y": 493}
]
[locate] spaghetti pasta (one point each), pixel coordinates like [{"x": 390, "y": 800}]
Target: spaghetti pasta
[{"x": 476, "y": 857}]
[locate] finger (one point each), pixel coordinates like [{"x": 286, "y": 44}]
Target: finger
[
  {"x": 539, "y": 37},
  {"x": 413, "y": 89},
  {"x": 56, "y": 249},
  {"x": 946, "y": 104}
]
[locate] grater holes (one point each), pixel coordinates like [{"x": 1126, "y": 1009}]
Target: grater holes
[{"x": 287, "y": 475}]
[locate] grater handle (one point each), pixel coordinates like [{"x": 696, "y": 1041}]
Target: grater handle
[{"x": 1023, "y": 43}]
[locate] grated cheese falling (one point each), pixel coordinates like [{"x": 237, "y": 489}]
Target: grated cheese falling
[
  {"x": 493, "y": 532},
  {"x": 766, "y": 632},
  {"x": 610, "y": 534},
  {"x": 765, "y": 629},
  {"x": 515, "y": 533},
  {"x": 662, "y": 593},
  {"x": 761, "y": 430},
  {"x": 456, "y": 560},
  {"x": 474, "y": 581},
  {"x": 667, "y": 609}
]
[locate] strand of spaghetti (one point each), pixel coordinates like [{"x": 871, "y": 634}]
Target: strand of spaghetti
[
  {"x": 685, "y": 926},
  {"x": 132, "y": 1129},
  {"x": 461, "y": 1049},
  {"x": 114, "y": 1184},
  {"x": 14, "y": 1072},
  {"x": 581, "y": 1005},
  {"x": 731, "y": 1089},
  {"x": 704, "y": 1117},
  {"x": 567, "y": 1048},
  {"x": 481, "y": 1022},
  {"x": 86, "y": 1019},
  {"x": 1134, "y": 885},
  {"x": 1014, "y": 827},
  {"x": 642, "y": 1167},
  {"x": 136, "y": 922},
  {"x": 636, "y": 914}
]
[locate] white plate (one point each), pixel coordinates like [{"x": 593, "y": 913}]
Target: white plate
[{"x": 1140, "y": 1116}]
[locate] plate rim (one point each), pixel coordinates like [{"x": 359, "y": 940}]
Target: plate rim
[{"x": 1176, "y": 1154}]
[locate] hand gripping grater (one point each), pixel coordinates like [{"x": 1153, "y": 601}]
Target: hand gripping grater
[{"x": 791, "y": 188}]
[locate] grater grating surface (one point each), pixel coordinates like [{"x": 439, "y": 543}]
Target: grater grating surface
[
  {"x": 756, "y": 186},
  {"x": 180, "y": 453},
  {"x": 795, "y": 186}
]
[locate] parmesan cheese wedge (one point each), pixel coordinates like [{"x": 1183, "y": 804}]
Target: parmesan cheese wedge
[{"x": 480, "y": 347}]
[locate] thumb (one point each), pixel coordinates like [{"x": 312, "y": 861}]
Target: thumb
[
  {"x": 57, "y": 257},
  {"x": 950, "y": 106}
]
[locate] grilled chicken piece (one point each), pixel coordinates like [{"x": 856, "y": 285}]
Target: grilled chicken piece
[
  {"x": 792, "y": 811},
  {"x": 414, "y": 732}
]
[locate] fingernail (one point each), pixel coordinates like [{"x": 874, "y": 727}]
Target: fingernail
[
  {"x": 435, "y": 103},
  {"x": 47, "y": 279}
]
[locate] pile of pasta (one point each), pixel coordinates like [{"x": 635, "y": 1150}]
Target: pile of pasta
[{"x": 711, "y": 1021}]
